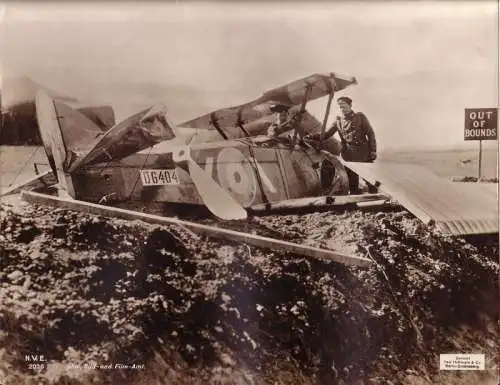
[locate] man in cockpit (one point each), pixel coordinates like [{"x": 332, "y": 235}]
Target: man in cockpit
[{"x": 280, "y": 119}]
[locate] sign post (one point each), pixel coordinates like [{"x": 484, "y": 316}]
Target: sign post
[
  {"x": 480, "y": 124},
  {"x": 480, "y": 160}
]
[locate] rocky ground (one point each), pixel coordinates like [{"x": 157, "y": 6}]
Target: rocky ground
[{"x": 88, "y": 292}]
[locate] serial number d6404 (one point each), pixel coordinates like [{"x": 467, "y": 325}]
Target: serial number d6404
[{"x": 159, "y": 177}]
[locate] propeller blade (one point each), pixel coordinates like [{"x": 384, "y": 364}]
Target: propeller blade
[{"x": 217, "y": 200}]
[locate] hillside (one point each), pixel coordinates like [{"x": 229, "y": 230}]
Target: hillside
[{"x": 108, "y": 301}]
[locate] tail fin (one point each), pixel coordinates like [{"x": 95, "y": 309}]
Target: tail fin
[
  {"x": 139, "y": 131},
  {"x": 72, "y": 140},
  {"x": 103, "y": 116}
]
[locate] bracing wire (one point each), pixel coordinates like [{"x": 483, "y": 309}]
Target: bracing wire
[
  {"x": 20, "y": 171},
  {"x": 144, "y": 163},
  {"x": 139, "y": 173}
]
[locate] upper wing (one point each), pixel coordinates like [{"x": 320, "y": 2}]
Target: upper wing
[
  {"x": 292, "y": 94},
  {"x": 319, "y": 85}
]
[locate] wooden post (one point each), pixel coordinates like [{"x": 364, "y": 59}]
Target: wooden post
[{"x": 203, "y": 230}]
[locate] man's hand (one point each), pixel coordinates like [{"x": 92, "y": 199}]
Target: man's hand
[
  {"x": 372, "y": 156},
  {"x": 312, "y": 137}
]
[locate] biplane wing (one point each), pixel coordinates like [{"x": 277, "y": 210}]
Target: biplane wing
[
  {"x": 260, "y": 125},
  {"x": 228, "y": 121},
  {"x": 311, "y": 87}
]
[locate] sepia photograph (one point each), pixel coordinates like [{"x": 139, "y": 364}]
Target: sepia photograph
[{"x": 249, "y": 192}]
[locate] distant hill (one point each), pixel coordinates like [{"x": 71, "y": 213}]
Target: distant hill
[{"x": 449, "y": 162}]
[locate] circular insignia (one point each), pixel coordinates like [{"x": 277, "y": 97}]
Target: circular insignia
[{"x": 236, "y": 175}]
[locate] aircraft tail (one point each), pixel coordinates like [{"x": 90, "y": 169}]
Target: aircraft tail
[
  {"x": 138, "y": 132},
  {"x": 72, "y": 139},
  {"x": 81, "y": 141},
  {"x": 103, "y": 116}
]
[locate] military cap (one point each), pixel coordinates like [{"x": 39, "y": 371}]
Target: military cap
[
  {"x": 279, "y": 107},
  {"x": 345, "y": 99}
]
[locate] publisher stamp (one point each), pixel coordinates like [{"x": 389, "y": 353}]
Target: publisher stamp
[
  {"x": 39, "y": 362},
  {"x": 106, "y": 366},
  {"x": 461, "y": 361},
  {"x": 35, "y": 362}
]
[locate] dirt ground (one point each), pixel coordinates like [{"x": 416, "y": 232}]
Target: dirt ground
[{"x": 107, "y": 301}]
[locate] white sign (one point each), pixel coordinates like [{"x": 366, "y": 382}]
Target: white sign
[
  {"x": 159, "y": 177},
  {"x": 461, "y": 361}
]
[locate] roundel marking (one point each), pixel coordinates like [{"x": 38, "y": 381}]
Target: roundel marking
[{"x": 236, "y": 175}]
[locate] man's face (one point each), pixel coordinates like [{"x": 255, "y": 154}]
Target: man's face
[{"x": 344, "y": 107}]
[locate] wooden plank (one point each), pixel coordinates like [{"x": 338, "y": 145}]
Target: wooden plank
[
  {"x": 323, "y": 201},
  {"x": 204, "y": 230}
]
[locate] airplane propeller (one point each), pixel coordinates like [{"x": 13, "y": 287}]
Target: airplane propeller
[{"x": 215, "y": 198}]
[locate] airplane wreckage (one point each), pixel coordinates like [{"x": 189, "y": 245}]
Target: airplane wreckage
[{"x": 232, "y": 168}]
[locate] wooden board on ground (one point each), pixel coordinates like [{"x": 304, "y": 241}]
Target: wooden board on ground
[
  {"x": 324, "y": 201},
  {"x": 210, "y": 231},
  {"x": 455, "y": 208}
]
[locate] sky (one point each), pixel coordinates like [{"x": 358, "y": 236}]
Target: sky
[{"x": 419, "y": 64}]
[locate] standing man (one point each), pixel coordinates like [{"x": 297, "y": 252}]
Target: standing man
[{"x": 357, "y": 138}]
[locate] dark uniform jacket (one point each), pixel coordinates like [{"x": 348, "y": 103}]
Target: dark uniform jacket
[{"x": 356, "y": 135}]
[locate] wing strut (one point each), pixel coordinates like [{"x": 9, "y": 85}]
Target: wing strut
[
  {"x": 239, "y": 123},
  {"x": 213, "y": 121},
  {"x": 302, "y": 110},
  {"x": 331, "y": 92}
]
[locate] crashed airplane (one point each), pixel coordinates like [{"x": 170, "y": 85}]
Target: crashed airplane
[{"x": 232, "y": 169}]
